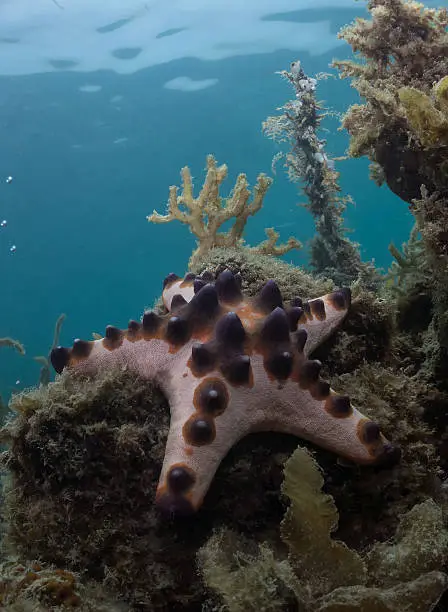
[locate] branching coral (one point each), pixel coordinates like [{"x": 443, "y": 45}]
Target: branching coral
[
  {"x": 206, "y": 214},
  {"x": 332, "y": 254}
]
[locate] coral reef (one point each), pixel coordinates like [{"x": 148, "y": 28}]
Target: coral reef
[
  {"x": 322, "y": 574},
  {"x": 403, "y": 51},
  {"x": 236, "y": 366},
  {"x": 255, "y": 269},
  {"x": 332, "y": 254},
  {"x": 84, "y": 458},
  {"x": 83, "y": 462},
  {"x": 206, "y": 214},
  {"x": 144, "y": 425},
  {"x": 402, "y": 74},
  {"x": 38, "y": 588}
]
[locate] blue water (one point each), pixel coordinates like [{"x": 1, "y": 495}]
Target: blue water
[{"x": 92, "y": 153}]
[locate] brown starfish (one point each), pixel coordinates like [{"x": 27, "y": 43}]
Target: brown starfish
[{"x": 229, "y": 366}]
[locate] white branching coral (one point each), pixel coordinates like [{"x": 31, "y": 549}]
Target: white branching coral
[{"x": 206, "y": 214}]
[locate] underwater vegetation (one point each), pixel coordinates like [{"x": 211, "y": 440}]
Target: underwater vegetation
[
  {"x": 401, "y": 73},
  {"x": 161, "y": 469},
  {"x": 332, "y": 255},
  {"x": 323, "y": 574},
  {"x": 209, "y": 211},
  {"x": 16, "y": 345}
]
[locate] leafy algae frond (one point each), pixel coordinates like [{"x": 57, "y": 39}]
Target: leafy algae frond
[
  {"x": 12, "y": 343},
  {"x": 322, "y": 574}
]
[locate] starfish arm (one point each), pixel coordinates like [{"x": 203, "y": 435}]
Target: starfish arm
[
  {"x": 306, "y": 406},
  {"x": 198, "y": 440},
  {"x": 322, "y": 316},
  {"x": 318, "y": 414},
  {"x": 147, "y": 358}
]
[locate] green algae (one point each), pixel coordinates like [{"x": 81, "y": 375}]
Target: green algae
[{"x": 323, "y": 574}]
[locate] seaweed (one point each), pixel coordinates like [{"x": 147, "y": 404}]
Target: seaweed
[
  {"x": 332, "y": 254},
  {"x": 12, "y": 343},
  {"x": 34, "y": 586},
  {"x": 401, "y": 72},
  {"x": 45, "y": 371},
  {"x": 321, "y": 573},
  {"x": 410, "y": 267}
]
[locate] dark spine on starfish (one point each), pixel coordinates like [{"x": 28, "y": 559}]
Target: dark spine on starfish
[
  {"x": 81, "y": 349},
  {"x": 275, "y": 345},
  {"x": 237, "y": 370},
  {"x": 297, "y": 302},
  {"x": 386, "y": 455},
  {"x": 134, "y": 331},
  {"x": 317, "y": 307},
  {"x": 198, "y": 285},
  {"x": 269, "y": 297},
  {"x": 207, "y": 276},
  {"x": 189, "y": 277},
  {"x": 178, "y": 331},
  {"x": 113, "y": 338},
  {"x": 203, "y": 359},
  {"x": 151, "y": 323},
  {"x": 307, "y": 311},
  {"x": 230, "y": 338},
  {"x": 173, "y": 500},
  {"x": 59, "y": 357},
  {"x": 294, "y": 315},
  {"x": 177, "y": 302},
  {"x": 301, "y": 337},
  {"x": 338, "y": 405},
  {"x": 170, "y": 279},
  {"x": 199, "y": 430},
  {"x": 205, "y": 305},
  {"x": 308, "y": 373},
  {"x": 211, "y": 397},
  {"x": 320, "y": 390},
  {"x": 369, "y": 431},
  {"x": 341, "y": 299},
  {"x": 228, "y": 288}
]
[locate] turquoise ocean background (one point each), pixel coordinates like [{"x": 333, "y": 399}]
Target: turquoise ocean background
[{"x": 92, "y": 150}]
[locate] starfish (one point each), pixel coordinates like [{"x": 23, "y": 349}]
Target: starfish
[{"x": 230, "y": 365}]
